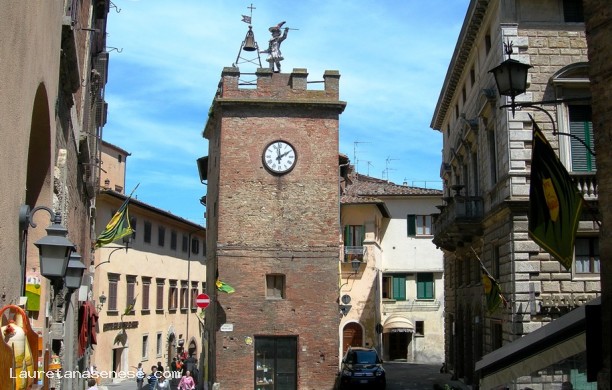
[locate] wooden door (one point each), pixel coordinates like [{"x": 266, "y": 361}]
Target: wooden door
[{"x": 352, "y": 336}]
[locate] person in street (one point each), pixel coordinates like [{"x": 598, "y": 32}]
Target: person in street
[
  {"x": 162, "y": 382},
  {"x": 187, "y": 382},
  {"x": 140, "y": 376},
  {"x": 152, "y": 378},
  {"x": 91, "y": 384},
  {"x": 160, "y": 368}
]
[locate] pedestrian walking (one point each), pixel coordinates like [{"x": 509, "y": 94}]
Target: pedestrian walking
[
  {"x": 187, "y": 382},
  {"x": 140, "y": 376}
]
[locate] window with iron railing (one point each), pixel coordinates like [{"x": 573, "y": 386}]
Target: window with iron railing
[{"x": 354, "y": 236}]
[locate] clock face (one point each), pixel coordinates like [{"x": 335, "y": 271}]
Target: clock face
[{"x": 279, "y": 157}]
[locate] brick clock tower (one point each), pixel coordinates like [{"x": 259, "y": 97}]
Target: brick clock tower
[{"x": 272, "y": 210}]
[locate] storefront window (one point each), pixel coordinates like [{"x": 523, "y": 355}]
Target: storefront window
[{"x": 275, "y": 363}]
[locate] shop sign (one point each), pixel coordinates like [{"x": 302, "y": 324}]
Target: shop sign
[
  {"x": 571, "y": 300},
  {"x": 120, "y": 325}
]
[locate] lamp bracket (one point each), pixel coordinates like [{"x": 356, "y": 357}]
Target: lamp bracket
[{"x": 26, "y": 215}]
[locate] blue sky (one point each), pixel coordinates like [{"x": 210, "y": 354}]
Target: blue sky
[{"x": 166, "y": 60}]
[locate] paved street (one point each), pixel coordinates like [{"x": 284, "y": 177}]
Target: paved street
[{"x": 400, "y": 376}]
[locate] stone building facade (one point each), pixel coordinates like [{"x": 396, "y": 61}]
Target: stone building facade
[
  {"x": 273, "y": 235},
  {"x": 598, "y": 20},
  {"x": 53, "y": 75},
  {"x": 485, "y": 167}
]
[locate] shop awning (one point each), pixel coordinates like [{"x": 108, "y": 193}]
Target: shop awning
[
  {"x": 562, "y": 338},
  {"x": 397, "y": 324}
]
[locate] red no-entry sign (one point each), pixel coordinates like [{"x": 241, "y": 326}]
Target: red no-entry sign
[{"x": 202, "y": 301}]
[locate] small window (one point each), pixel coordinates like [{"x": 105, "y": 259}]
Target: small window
[
  {"x": 145, "y": 347},
  {"x": 185, "y": 244},
  {"x": 275, "y": 286},
  {"x": 112, "y": 292},
  {"x": 586, "y": 253},
  {"x": 425, "y": 285},
  {"x": 194, "y": 295},
  {"x": 119, "y": 158},
  {"x": 160, "y": 294},
  {"x": 146, "y": 288},
  {"x": 487, "y": 43},
  {"x": 133, "y": 223},
  {"x": 161, "y": 236},
  {"x": 394, "y": 287},
  {"x": 419, "y": 225},
  {"x": 496, "y": 335},
  {"x": 172, "y": 296},
  {"x": 184, "y": 295},
  {"x": 195, "y": 246},
  {"x": 130, "y": 297},
  {"x": 173, "y": 240},
  {"x": 419, "y": 328},
  {"x": 147, "y": 232},
  {"x": 463, "y": 94},
  {"x": 472, "y": 77},
  {"x": 159, "y": 344}
]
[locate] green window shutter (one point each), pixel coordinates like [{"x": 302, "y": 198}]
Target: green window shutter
[
  {"x": 362, "y": 234},
  {"x": 347, "y": 235},
  {"x": 425, "y": 286},
  {"x": 399, "y": 288},
  {"x": 581, "y": 126},
  {"x": 411, "y": 225}
]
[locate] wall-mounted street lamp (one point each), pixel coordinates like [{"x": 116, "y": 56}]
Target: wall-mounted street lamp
[
  {"x": 101, "y": 301},
  {"x": 55, "y": 250},
  {"x": 511, "y": 79},
  {"x": 74, "y": 272}
]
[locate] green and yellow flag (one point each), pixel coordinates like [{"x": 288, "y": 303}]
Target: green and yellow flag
[
  {"x": 554, "y": 202},
  {"x": 493, "y": 294},
  {"x": 224, "y": 287},
  {"x": 117, "y": 228}
]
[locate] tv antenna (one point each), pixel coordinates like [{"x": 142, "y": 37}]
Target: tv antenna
[
  {"x": 387, "y": 169},
  {"x": 355, "y": 152}
]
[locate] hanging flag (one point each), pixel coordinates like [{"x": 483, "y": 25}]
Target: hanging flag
[
  {"x": 224, "y": 287},
  {"x": 117, "y": 228},
  {"x": 554, "y": 202},
  {"x": 246, "y": 19},
  {"x": 493, "y": 294}
]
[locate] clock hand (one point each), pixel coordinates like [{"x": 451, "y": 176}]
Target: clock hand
[{"x": 278, "y": 152}]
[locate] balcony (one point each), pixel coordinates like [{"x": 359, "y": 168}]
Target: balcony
[
  {"x": 459, "y": 221},
  {"x": 411, "y": 305},
  {"x": 354, "y": 253},
  {"x": 587, "y": 184}
]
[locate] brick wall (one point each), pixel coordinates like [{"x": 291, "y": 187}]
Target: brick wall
[{"x": 266, "y": 223}]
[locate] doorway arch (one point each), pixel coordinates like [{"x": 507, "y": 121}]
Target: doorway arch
[{"x": 352, "y": 336}]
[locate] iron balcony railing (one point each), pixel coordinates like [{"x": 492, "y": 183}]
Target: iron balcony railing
[
  {"x": 410, "y": 305},
  {"x": 354, "y": 253}
]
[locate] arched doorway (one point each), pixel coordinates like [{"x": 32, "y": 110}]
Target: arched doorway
[
  {"x": 192, "y": 348},
  {"x": 171, "y": 348},
  {"x": 352, "y": 336}
]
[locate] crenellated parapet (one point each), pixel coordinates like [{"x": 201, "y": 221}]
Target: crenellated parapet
[{"x": 279, "y": 86}]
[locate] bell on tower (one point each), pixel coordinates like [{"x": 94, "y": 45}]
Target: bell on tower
[{"x": 249, "y": 45}]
